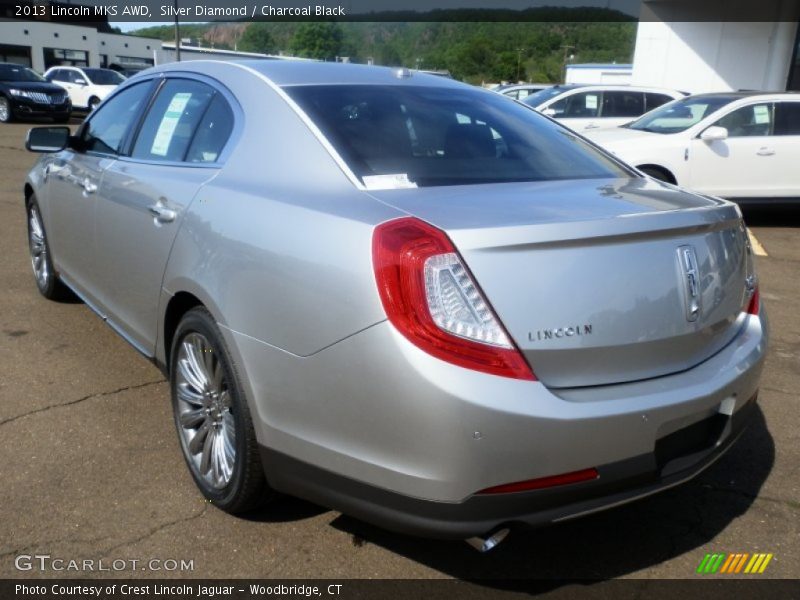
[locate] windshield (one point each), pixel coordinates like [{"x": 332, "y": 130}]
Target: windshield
[
  {"x": 18, "y": 73},
  {"x": 544, "y": 95},
  {"x": 104, "y": 76},
  {"x": 398, "y": 136},
  {"x": 681, "y": 114}
]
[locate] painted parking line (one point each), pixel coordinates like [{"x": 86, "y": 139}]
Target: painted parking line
[{"x": 758, "y": 249}]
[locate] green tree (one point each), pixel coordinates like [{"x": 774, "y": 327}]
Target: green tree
[
  {"x": 257, "y": 38},
  {"x": 320, "y": 40}
]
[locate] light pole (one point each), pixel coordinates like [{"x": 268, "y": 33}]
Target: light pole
[
  {"x": 519, "y": 60},
  {"x": 564, "y": 62},
  {"x": 177, "y": 34}
]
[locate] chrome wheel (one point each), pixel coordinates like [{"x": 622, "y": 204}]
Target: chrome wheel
[
  {"x": 207, "y": 425},
  {"x": 5, "y": 110},
  {"x": 38, "y": 247}
]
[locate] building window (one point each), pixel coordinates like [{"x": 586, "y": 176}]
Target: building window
[
  {"x": 54, "y": 57},
  {"x": 19, "y": 55},
  {"x": 55, "y": 34},
  {"x": 26, "y": 32},
  {"x": 84, "y": 37}
]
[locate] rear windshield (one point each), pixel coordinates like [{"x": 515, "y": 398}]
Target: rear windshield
[
  {"x": 401, "y": 136},
  {"x": 544, "y": 95}
]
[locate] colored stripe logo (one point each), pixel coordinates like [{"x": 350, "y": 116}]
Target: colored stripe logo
[{"x": 742, "y": 562}]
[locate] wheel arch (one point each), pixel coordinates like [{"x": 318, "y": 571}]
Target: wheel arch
[{"x": 178, "y": 305}]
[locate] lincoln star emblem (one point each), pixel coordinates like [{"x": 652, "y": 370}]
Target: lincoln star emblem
[{"x": 687, "y": 257}]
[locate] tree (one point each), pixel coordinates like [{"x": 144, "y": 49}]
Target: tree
[
  {"x": 257, "y": 38},
  {"x": 320, "y": 40}
]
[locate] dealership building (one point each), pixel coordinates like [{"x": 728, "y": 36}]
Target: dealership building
[{"x": 679, "y": 45}]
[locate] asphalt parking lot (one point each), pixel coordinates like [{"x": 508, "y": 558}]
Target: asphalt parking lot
[{"x": 90, "y": 464}]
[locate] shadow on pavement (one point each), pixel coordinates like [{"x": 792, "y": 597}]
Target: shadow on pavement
[{"x": 778, "y": 215}]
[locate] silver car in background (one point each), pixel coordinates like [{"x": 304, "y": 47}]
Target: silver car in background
[{"x": 399, "y": 296}]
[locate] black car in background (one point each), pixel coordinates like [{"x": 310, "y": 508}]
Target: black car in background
[{"x": 25, "y": 93}]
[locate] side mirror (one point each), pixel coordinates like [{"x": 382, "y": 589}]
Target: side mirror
[
  {"x": 47, "y": 139},
  {"x": 80, "y": 81},
  {"x": 550, "y": 112},
  {"x": 714, "y": 133}
]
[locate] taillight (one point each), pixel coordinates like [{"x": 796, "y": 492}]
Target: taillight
[
  {"x": 755, "y": 302},
  {"x": 431, "y": 298},
  {"x": 543, "y": 482}
]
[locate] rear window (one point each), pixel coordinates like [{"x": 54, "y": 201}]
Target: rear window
[{"x": 405, "y": 136}]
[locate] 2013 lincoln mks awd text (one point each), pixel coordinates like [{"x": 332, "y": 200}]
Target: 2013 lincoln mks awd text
[{"x": 400, "y": 296}]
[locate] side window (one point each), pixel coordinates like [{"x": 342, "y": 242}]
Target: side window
[
  {"x": 106, "y": 129},
  {"x": 171, "y": 122},
  {"x": 787, "y": 118},
  {"x": 74, "y": 76},
  {"x": 52, "y": 75},
  {"x": 212, "y": 133},
  {"x": 577, "y": 106},
  {"x": 753, "y": 120},
  {"x": 623, "y": 104},
  {"x": 523, "y": 94},
  {"x": 653, "y": 100}
]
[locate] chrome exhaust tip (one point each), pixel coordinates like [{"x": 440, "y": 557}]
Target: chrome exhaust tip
[{"x": 484, "y": 544}]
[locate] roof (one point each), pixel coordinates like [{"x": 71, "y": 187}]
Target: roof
[
  {"x": 601, "y": 66},
  {"x": 297, "y": 72}
]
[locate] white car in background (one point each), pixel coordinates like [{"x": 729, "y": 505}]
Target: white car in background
[
  {"x": 86, "y": 86},
  {"x": 585, "y": 107},
  {"x": 737, "y": 145}
]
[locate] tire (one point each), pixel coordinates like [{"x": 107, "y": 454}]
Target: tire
[
  {"x": 93, "y": 102},
  {"x": 47, "y": 281},
  {"x": 656, "y": 173},
  {"x": 212, "y": 419},
  {"x": 6, "y": 114}
]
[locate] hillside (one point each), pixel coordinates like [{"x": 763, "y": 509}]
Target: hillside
[{"x": 488, "y": 50}]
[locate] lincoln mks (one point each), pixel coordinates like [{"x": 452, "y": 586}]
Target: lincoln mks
[{"x": 399, "y": 296}]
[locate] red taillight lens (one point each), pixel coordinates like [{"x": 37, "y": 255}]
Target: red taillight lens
[
  {"x": 431, "y": 298},
  {"x": 755, "y": 303},
  {"x": 543, "y": 482}
]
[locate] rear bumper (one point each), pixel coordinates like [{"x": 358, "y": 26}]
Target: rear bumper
[
  {"x": 618, "y": 483},
  {"x": 376, "y": 428}
]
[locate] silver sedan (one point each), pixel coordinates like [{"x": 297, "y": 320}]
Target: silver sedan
[{"x": 400, "y": 296}]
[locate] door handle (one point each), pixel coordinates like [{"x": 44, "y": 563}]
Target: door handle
[
  {"x": 765, "y": 151},
  {"x": 162, "y": 213},
  {"x": 89, "y": 187},
  {"x": 592, "y": 126}
]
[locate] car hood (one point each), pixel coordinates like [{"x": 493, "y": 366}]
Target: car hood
[
  {"x": 33, "y": 86},
  {"x": 616, "y": 135}
]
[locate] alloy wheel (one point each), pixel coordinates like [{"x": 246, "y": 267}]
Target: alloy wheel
[
  {"x": 204, "y": 405},
  {"x": 5, "y": 110},
  {"x": 38, "y": 247}
]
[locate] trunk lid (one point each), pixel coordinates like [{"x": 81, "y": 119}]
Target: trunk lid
[{"x": 598, "y": 281}]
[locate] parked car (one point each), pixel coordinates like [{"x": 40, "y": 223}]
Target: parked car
[
  {"x": 87, "y": 87},
  {"x": 401, "y": 296},
  {"x": 522, "y": 91},
  {"x": 739, "y": 145},
  {"x": 586, "y": 107},
  {"x": 25, "y": 93}
]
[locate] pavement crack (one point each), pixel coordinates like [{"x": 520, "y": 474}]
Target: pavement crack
[
  {"x": 156, "y": 530},
  {"x": 79, "y": 400}
]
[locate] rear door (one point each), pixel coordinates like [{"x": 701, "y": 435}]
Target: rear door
[
  {"x": 145, "y": 195},
  {"x": 619, "y": 107},
  {"x": 743, "y": 165},
  {"x": 785, "y": 148}
]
